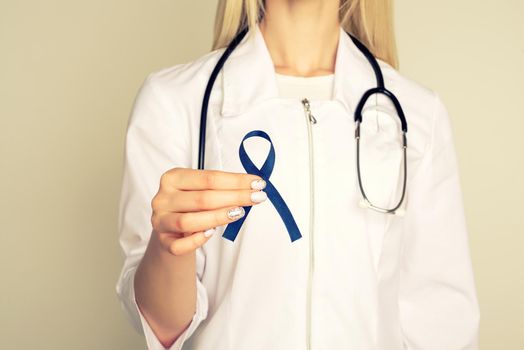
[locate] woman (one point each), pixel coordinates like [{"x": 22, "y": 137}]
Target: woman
[{"x": 355, "y": 278}]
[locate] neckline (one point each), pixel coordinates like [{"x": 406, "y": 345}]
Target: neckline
[
  {"x": 284, "y": 78},
  {"x": 304, "y": 79}
]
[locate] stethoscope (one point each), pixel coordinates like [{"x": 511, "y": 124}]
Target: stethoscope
[{"x": 380, "y": 88}]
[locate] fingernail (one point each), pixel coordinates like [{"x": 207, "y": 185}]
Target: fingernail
[
  {"x": 235, "y": 213},
  {"x": 258, "y": 196},
  {"x": 209, "y": 233},
  {"x": 258, "y": 184}
]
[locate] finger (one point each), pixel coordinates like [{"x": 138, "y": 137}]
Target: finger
[
  {"x": 197, "y": 221},
  {"x": 187, "y": 244},
  {"x": 191, "y": 179},
  {"x": 188, "y": 201}
]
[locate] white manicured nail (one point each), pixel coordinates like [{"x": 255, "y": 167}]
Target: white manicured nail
[
  {"x": 209, "y": 233},
  {"x": 258, "y": 196},
  {"x": 258, "y": 184},
  {"x": 235, "y": 213}
]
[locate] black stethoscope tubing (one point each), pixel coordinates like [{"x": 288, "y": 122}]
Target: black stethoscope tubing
[
  {"x": 358, "y": 116},
  {"x": 380, "y": 88}
]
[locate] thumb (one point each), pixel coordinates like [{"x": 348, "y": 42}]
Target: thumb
[{"x": 190, "y": 242}]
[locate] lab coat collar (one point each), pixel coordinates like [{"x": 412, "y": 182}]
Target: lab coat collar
[{"x": 249, "y": 74}]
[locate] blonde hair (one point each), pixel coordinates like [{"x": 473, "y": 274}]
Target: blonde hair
[{"x": 370, "y": 21}]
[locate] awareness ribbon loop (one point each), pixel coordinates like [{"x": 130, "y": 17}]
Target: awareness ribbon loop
[{"x": 273, "y": 195}]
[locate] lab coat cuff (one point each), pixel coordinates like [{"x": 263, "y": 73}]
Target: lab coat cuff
[{"x": 152, "y": 341}]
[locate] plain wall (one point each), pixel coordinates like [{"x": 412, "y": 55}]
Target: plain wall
[{"x": 69, "y": 71}]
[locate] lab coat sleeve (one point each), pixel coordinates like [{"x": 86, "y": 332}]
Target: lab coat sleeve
[
  {"x": 156, "y": 141},
  {"x": 437, "y": 297}
]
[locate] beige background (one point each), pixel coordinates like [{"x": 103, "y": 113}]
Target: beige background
[{"x": 69, "y": 71}]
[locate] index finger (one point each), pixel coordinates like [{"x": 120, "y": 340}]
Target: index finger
[{"x": 192, "y": 179}]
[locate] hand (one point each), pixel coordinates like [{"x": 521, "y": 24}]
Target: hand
[{"x": 191, "y": 203}]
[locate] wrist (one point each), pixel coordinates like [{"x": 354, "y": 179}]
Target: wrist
[{"x": 161, "y": 254}]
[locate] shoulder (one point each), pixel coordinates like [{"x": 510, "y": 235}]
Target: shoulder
[
  {"x": 422, "y": 104},
  {"x": 183, "y": 83},
  {"x": 169, "y": 100},
  {"x": 409, "y": 91}
]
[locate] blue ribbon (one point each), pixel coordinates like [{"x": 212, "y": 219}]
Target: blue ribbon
[{"x": 232, "y": 228}]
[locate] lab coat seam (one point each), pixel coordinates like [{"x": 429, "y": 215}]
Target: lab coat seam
[
  {"x": 429, "y": 146},
  {"x": 426, "y": 155},
  {"x": 441, "y": 146}
]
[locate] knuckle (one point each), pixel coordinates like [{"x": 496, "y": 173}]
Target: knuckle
[
  {"x": 219, "y": 216},
  {"x": 239, "y": 181},
  {"x": 210, "y": 179},
  {"x": 180, "y": 223},
  {"x": 244, "y": 197},
  {"x": 164, "y": 178},
  {"x": 156, "y": 203},
  {"x": 155, "y": 221},
  {"x": 201, "y": 199},
  {"x": 169, "y": 177},
  {"x": 175, "y": 171},
  {"x": 164, "y": 184},
  {"x": 160, "y": 222}
]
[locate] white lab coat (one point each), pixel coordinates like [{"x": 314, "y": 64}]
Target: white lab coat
[{"x": 357, "y": 279}]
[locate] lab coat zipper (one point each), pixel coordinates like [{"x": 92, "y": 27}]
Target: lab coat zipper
[{"x": 310, "y": 119}]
